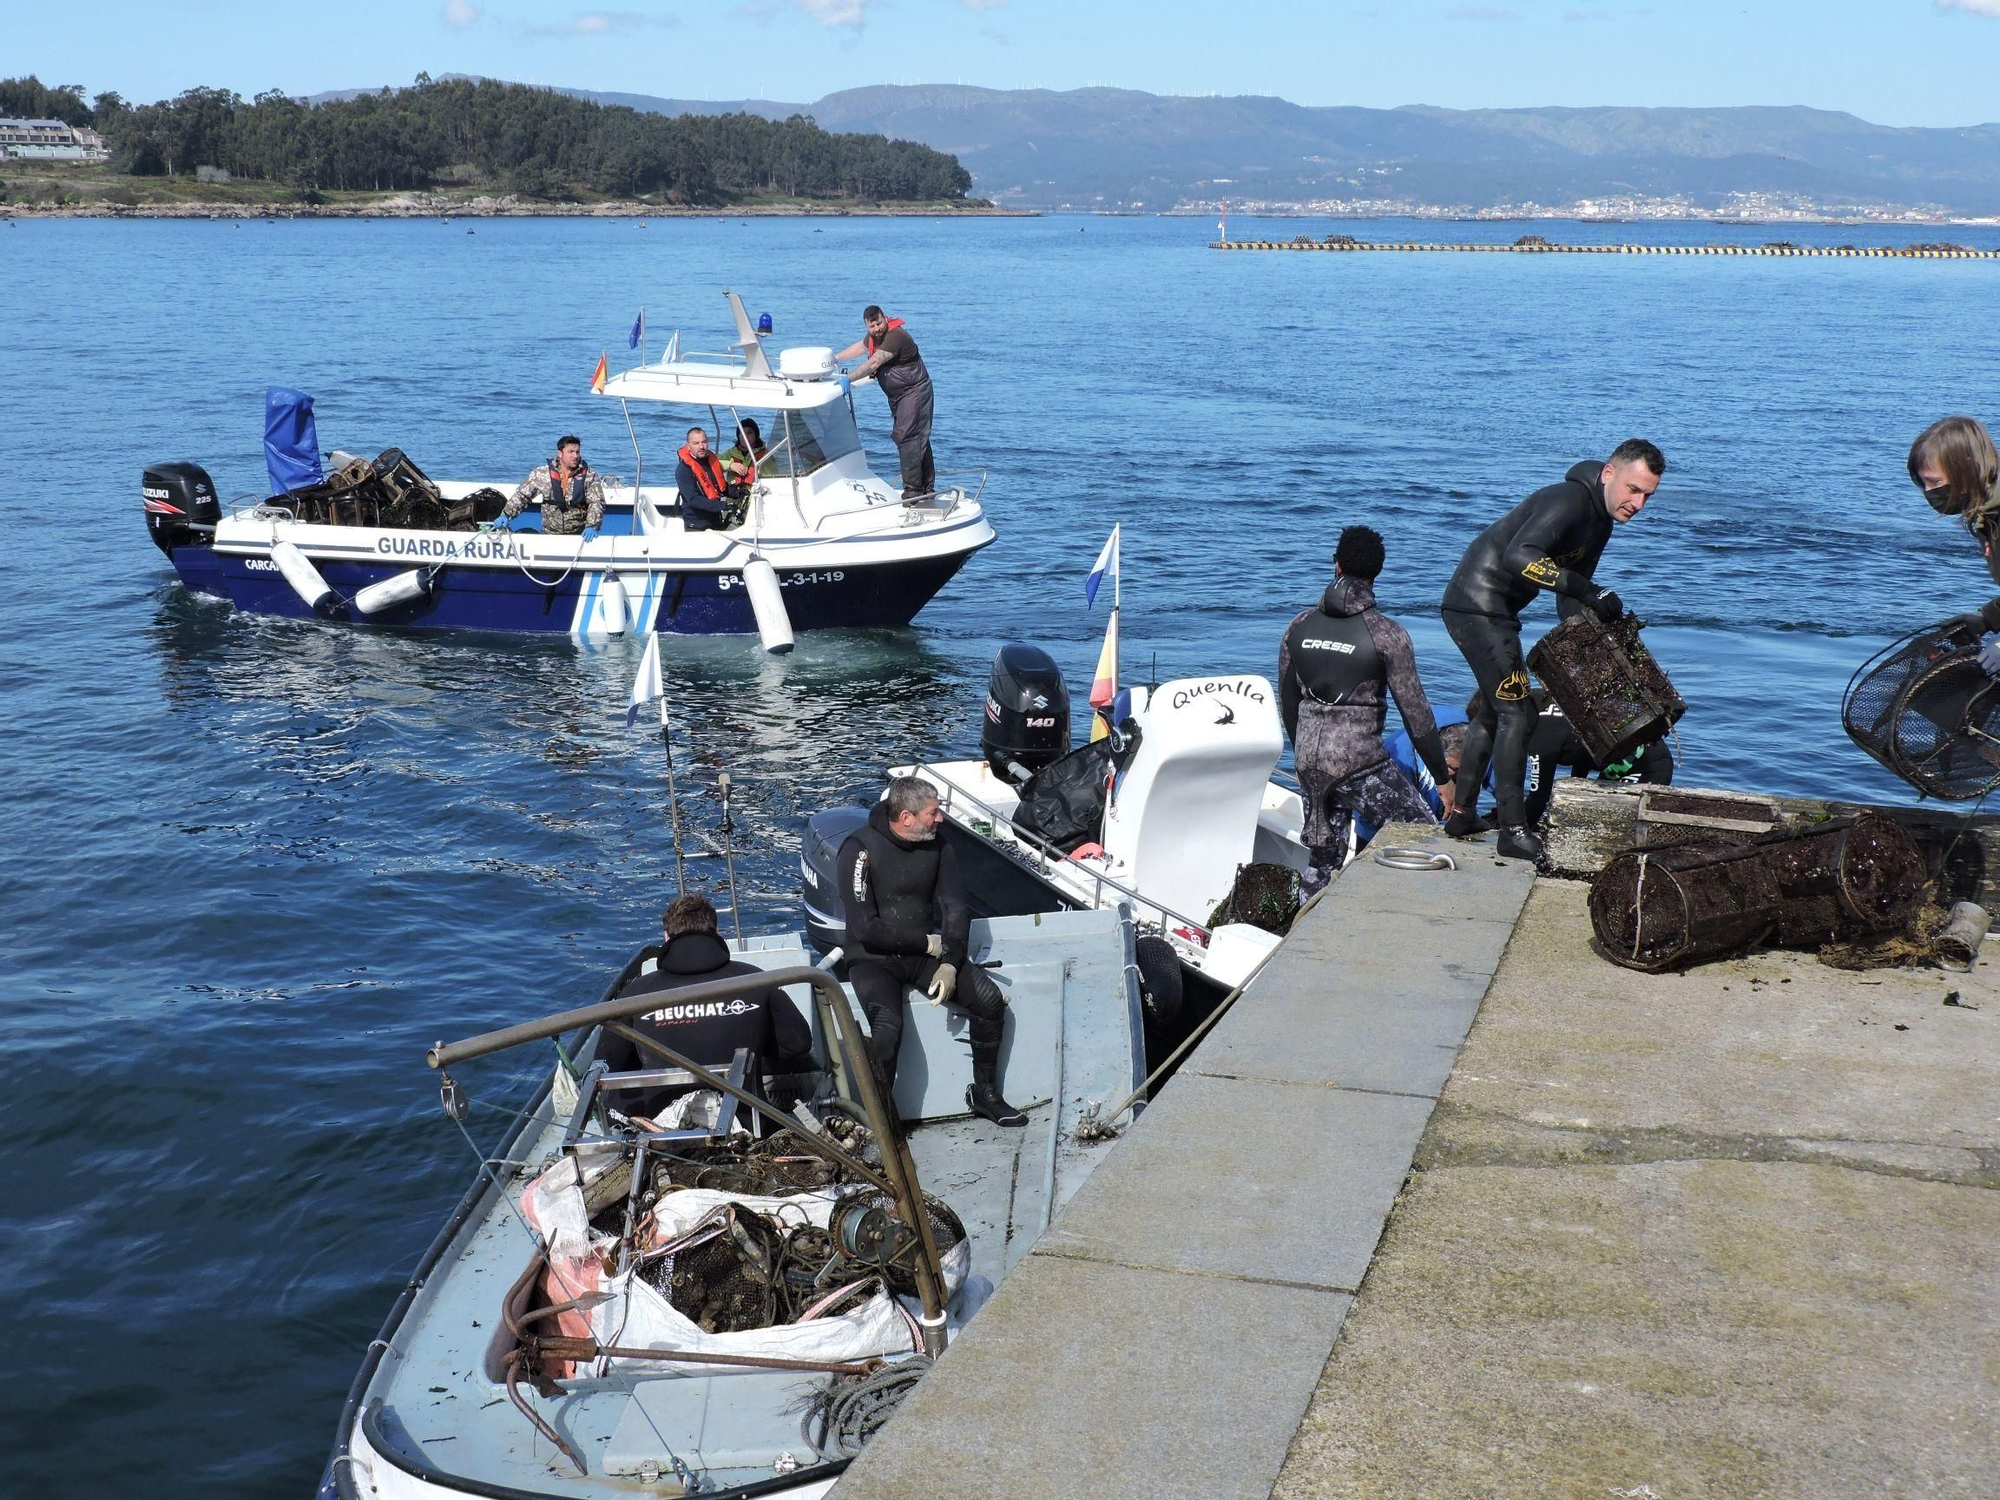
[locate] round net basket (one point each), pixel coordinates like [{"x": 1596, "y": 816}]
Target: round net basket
[
  {"x": 1845, "y": 879},
  {"x": 1653, "y": 909},
  {"x": 1926, "y": 710}
]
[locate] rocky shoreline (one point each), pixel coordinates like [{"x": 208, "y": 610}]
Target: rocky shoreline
[{"x": 507, "y": 206}]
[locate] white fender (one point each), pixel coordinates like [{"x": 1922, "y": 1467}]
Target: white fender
[
  {"x": 401, "y": 589},
  {"x": 614, "y": 605},
  {"x": 303, "y": 577},
  {"x": 767, "y": 600}
]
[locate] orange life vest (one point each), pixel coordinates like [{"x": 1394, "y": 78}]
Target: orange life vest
[{"x": 707, "y": 472}]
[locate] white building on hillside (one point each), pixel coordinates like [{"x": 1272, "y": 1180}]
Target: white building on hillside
[{"x": 50, "y": 140}]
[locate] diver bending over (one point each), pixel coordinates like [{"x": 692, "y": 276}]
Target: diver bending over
[
  {"x": 907, "y": 925},
  {"x": 1552, "y": 540}
]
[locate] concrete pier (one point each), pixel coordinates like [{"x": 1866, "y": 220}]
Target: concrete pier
[
  {"x": 1728, "y": 1233},
  {"x": 1164, "y": 1338},
  {"x": 1341, "y": 244}
]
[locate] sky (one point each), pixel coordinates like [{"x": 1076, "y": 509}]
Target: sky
[{"x": 1895, "y": 62}]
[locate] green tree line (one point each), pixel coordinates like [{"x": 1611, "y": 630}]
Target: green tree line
[{"x": 530, "y": 140}]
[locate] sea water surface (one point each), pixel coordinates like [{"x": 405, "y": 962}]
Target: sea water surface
[{"x": 252, "y": 868}]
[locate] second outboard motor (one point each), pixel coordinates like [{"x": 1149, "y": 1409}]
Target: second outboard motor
[
  {"x": 181, "y": 508},
  {"x": 819, "y": 852},
  {"x": 1027, "y": 713}
]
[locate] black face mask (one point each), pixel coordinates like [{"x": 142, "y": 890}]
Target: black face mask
[{"x": 1942, "y": 500}]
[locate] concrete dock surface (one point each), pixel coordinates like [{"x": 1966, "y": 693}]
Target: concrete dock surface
[{"x": 1727, "y": 1233}]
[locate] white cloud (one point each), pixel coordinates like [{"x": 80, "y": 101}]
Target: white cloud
[
  {"x": 460, "y": 14},
  {"x": 604, "y": 23},
  {"x": 831, "y": 13},
  {"x": 1977, "y": 7}
]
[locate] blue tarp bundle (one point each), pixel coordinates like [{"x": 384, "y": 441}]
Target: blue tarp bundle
[{"x": 291, "y": 441}]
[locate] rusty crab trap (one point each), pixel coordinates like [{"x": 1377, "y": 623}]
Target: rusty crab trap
[
  {"x": 1614, "y": 694},
  {"x": 1926, "y": 710},
  {"x": 1843, "y": 879}
]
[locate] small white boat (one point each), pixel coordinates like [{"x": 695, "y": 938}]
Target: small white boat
[
  {"x": 824, "y": 542},
  {"x": 553, "y": 1341},
  {"x": 1176, "y": 815}
]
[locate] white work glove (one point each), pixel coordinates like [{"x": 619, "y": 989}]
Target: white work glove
[
  {"x": 943, "y": 982},
  {"x": 934, "y": 946}
]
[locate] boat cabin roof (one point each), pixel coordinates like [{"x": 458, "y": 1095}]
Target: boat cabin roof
[{"x": 722, "y": 381}]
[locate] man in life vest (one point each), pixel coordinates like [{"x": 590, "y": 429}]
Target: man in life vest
[
  {"x": 570, "y": 496},
  {"x": 907, "y": 927},
  {"x": 889, "y": 354},
  {"x": 704, "y": 488},
  {"x": 1337, "y": 667},
  {"x": 764, "y": 1021}
]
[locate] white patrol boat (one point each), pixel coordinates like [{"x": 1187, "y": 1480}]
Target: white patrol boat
[
  {"x": 1158, "y": 819},
  {"x": 823, "y": 543}
]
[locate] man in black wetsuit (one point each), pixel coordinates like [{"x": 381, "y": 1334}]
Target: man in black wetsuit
[
  {"x": 1551, "y": 540},
  {"x": 1333, "y": 664},
  {"x": 1553, "y": 746},
  {"x": 709, "y": 1033},
  {"x": 907, "y": 925}
]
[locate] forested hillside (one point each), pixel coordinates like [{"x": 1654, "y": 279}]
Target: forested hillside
[{"x": 526, "y": 140}]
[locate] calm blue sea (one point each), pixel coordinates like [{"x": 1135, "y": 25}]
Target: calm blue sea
[{"x": 251, "y": 869}]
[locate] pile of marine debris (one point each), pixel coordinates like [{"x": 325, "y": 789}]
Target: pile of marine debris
[{"x": 1711, "y": 876}]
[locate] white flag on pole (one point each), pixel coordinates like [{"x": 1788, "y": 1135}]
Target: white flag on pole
[{"x": 646, "y": 684}]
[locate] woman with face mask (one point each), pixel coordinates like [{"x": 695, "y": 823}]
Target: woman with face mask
[{"x": 1954, "y": 463}]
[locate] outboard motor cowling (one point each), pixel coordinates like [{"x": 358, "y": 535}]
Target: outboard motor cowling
[
  {"x": 1027, "y": 713},
  {"x": 181, "y": 508},
  {"x": 819, "y": 854}
]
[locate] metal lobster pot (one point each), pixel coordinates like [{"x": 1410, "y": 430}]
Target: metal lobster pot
[
  {"x": 1613, "y": 692},
  {"x": 1849, "y": 878},
  {"x": 1655, "y": 908}
]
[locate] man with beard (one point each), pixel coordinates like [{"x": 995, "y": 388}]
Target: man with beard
[
  {"x": 1552, "y": 540},
  {"x": 907, "y": 926},
  {"x": 891, "y": 357},
  {"x": 1333, "y": 665}
]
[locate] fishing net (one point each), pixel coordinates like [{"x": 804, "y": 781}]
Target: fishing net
[
  {"x": 1263, "y": 895},
  {"x": 393, "y": 493},
  {"x": 1840, "y": 880},
  {"x": 725, "y": 1276},
  {"x": 1925, "y": 709}
]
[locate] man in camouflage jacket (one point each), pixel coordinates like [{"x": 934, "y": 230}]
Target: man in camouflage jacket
[{"x": 570, "y": 495}]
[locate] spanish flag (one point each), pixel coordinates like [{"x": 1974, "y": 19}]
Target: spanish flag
[
  {"x": 1104, "y": 687},
  {"x": 602, "y": 374}
]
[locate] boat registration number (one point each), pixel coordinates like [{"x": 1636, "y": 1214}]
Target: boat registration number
[{"x": 790, "y": 580}]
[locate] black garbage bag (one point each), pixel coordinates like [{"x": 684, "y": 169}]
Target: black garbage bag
[{"x": 1063, "y": 803}]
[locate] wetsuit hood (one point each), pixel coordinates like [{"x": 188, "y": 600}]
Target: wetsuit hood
[
  {"x": 693, "y": 953},
  {"x": 1589, "y": 474},
  {"x": 878, "y": 819},
  {"x": 1348, "y": 596}
]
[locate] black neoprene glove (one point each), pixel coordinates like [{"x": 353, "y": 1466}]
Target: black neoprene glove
[
  {"x": 1966, "y": 624},
  {"x": 1606, "y": 605}
]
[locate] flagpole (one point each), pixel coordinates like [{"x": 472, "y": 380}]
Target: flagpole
[
  {"x": 673, "y": 798},
  {"x": 642, "y": 335}
]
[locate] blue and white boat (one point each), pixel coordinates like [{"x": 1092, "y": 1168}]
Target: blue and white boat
[{"x": 823, "y": 543}]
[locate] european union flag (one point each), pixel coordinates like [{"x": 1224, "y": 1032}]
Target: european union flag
[{"x": 638, "y": 330}]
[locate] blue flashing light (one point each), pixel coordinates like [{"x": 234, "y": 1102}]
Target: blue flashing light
[{"x": 763, "y": 322}]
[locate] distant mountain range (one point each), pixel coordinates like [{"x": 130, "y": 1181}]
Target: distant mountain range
[{"x": 1117, "y": 148}]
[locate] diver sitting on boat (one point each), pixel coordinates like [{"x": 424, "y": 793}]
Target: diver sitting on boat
[
  {"x": 570, "y": 496},
  {"x": 764, "y": 1021},
  {"x": 907, "y": 925},
  {"x": 704, "y": 488}
]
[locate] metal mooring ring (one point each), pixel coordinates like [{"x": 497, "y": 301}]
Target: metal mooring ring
[{"x": 1414, "y": 859}]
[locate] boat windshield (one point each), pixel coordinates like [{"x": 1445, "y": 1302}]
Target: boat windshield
[{"x": 809, "y": 440}]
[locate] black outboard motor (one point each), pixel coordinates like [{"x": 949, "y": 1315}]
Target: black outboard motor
[
  {"x": 1027, "y": 713},
  {"x": 181, "y": 508},
  {"x": 826, "y": 917}
]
